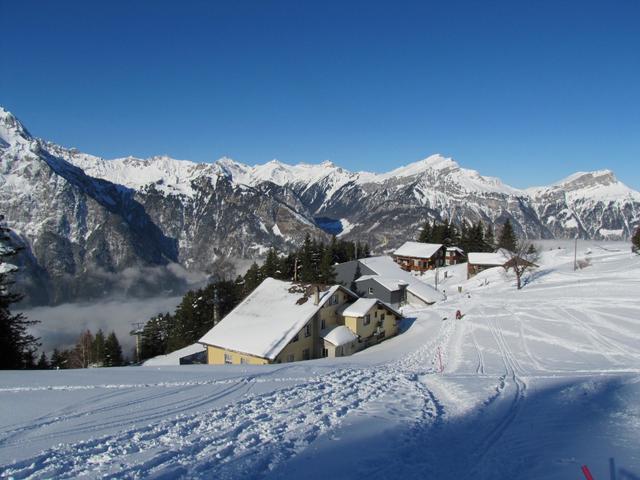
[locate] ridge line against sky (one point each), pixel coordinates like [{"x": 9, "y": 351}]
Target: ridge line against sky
[{"x": 527, "y": 93}]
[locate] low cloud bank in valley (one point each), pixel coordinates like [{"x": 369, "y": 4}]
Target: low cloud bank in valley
[{"x": 61, "y": 325}]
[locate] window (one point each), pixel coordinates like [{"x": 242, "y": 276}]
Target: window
[
  {"x": 325, "y": 352},
  {"x": 382, "y": 317},
  {"x": 290, "y": 357},
  {"x": 334, "y": 299},
  {"x": 322, "y": 324},
  {"x": 228, "y": 359},
  {"x": 307, "y": 330},
  {"x": 295, "y": 338},
  {"x": 306, "y": 355},
  {"x": 367, "y": 319},
  {"x": 375, "y": 314},
  {"x": 370, "y": 290},
  {"x": 243, "y": 360}
]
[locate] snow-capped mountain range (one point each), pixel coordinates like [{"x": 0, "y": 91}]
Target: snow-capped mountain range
[{"x": 91, "y": 224}]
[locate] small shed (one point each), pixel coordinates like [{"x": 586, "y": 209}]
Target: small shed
[{"x": 339, "y": 341}]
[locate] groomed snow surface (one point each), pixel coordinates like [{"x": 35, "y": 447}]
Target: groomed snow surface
[{"x": 530, "y": 384}]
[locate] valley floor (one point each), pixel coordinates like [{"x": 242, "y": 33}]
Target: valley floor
[{"x": 529, "y": 384}]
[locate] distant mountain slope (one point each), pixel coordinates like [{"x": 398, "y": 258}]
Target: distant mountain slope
[{"x": 92, "y": 224}]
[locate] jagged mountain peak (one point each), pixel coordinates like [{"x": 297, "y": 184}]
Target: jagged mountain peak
[
  {"x": 11, "y": 129},
  {"x": 432, "y": 162},
  {"x": 594, "y": 186},
  {"x": 581, "y": 179}
]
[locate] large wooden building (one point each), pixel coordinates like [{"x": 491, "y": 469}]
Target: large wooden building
[
  {"x": 420, "y": 257},
  {"x": 286, "y": 322}
]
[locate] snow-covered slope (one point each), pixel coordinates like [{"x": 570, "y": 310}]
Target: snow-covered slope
[{"x": 530, "y": 384}]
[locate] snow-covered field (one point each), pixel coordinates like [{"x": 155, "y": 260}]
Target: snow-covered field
[{"x": 530, "y": 384}]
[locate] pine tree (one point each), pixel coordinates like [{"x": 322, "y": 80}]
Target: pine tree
[
  {"x": 43, "y": 363},
  {"x": 635, "y": 242},
  {"x": 477, "y": 242},
  {"x": 29, "y": 361},
  {"x": 112, "y": 351},
  {"x": 327, "y": 273},
  {"x": 426, "y": 233},
  {"x": 307, "y": 271},
  {"x": 252, "y": 279},
  {"x": 154, "y": 337},
  {"x": 271, "y": 267},
  {"x": 58, "y": 359},
  {"x": 98, "y": 348},
  {"x": 17, "y": 345},
  {"x": 508, "y": 238}
]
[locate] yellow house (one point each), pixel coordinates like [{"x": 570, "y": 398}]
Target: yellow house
[{"x": 286, "y": 322}]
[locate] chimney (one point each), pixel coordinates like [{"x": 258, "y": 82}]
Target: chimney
[{"x": 316, "y": 295}]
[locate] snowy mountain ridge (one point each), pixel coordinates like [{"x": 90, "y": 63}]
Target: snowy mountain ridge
[
  {"x": 83, "y": 216},
  {"x": 135, "y": 172}
]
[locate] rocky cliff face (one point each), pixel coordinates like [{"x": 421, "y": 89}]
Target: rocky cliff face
[{"x": 92, "y": 226}]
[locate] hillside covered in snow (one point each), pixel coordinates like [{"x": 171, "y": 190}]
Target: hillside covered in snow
[
  {"x": 530, "y": 384},
  {"x": 93, "y": 226}
]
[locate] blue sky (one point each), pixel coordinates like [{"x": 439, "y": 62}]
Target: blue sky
[{"x": 528, "y": 91}]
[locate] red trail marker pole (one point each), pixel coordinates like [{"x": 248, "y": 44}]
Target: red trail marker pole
[{"x": 587, "y": 473}]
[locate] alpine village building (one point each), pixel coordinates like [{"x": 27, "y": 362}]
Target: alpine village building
[
  {"x": 286, "y": 322},
  {"x": 420, "y": 257}
]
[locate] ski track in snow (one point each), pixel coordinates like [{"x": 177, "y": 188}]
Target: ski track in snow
[{"x": 254, "y": 434}]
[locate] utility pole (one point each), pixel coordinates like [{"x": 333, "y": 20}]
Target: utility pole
[{"x": 137, "y": 332}]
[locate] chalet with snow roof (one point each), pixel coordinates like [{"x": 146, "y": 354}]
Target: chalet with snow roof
[
  {"x": 380, "y": 277},
  {"x": 286, "y": 322},
  {"x": 480, "y": 261},
  {"x": 453, "y": 256},
  {"x": 419, "y": 257}
]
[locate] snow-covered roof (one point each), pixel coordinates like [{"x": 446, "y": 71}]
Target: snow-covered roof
[
  {"x": 391, "y": 284},
  {"x": 455, "y": 249},
  {"x": 174, "y": 357},
  {"x": 484, "y": 258},
  {"x": 418, "y": 249},
  {"x": 339, "y": 335},
  {"x": 268, "y": 319},
  {"x": 360, "y": 307},
  {"x": 386, "y": 267}
]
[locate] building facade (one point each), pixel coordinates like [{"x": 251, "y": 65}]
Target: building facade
[{"x": 296, "y": 327}]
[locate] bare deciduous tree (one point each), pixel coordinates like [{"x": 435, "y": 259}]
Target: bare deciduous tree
[{"x": 523, "y": 259}]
